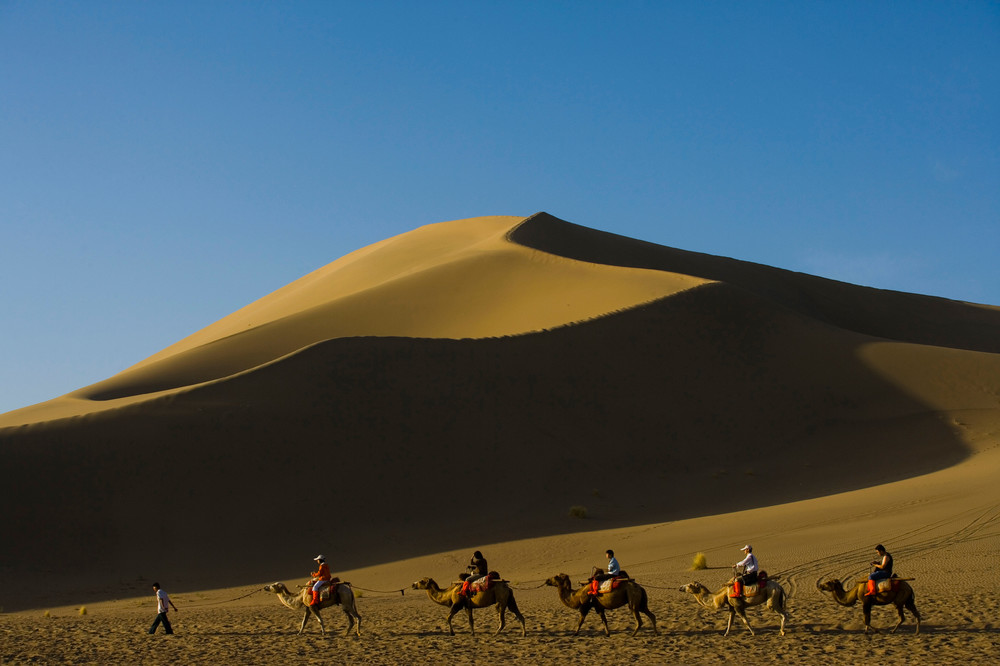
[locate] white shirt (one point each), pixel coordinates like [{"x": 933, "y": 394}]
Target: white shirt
[
  {"x": 749, "y": 563},
  {"x": 162, "y": 601}
]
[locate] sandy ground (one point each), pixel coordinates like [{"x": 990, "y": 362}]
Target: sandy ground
[{"x": 944, "y": 530}]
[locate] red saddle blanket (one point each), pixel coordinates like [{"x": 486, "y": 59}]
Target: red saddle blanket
[
  {"x": 477, "y": 585},
  {"x": 739, "y": 589},
  {"x": 884, "y": 585},
  {"x": 606, "y": 585}
]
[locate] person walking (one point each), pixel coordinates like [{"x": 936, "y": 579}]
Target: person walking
[{"x": 163, "y": 605}]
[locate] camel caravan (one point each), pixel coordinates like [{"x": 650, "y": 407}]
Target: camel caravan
[{"x": 479, "y": 587}]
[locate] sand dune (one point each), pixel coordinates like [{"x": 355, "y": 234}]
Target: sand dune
[{"x": 467, "y": 383}]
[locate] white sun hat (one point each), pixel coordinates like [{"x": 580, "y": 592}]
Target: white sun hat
[
  {"x": 746, "y": 547},
  {"x": 319, "y": 557}
]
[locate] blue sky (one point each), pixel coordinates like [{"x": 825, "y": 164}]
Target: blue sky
[{"x": 163, "y": 164}]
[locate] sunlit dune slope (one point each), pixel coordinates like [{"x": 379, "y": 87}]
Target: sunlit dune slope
[
  {"x": 336, "y": 416},
  {"x": 462, "y": 279}
]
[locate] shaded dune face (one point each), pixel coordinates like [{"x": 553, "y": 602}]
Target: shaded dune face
[
  {"x": 376, "y": 436},
  {"x": 693, "y": 396},
  {"x": 877, "y": 312}
]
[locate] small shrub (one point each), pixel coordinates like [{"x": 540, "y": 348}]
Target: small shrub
[
  {"x": 578, "y": 511},
  {"x": 699, "y": 562},
  {"x": 48, "y": 614},
  {"x": 83, "y": 610}
]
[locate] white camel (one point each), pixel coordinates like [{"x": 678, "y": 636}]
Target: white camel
[
  {"x": 342, "y": 596},
  {"x": 773, "y": 594}
]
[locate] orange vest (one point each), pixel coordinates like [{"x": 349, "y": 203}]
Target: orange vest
[{"x": 323, "y": 573}]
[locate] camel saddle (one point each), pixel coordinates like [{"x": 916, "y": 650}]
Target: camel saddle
[
  {"x": 474, "y": 585},
  {"x": 739, "y": 589},
  {"x": 327, "y": 591},
  {"x": 883, "y": 585},
  {"x": 606, "y": 585}
]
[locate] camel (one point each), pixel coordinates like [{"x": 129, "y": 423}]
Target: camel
[
  {"x": 343, "y": 596},
  {"x": 499, "y": 594},
  {"x": 900, "y": 596},
  {"x": 773, "y": 594},
  {"x": 630, "y": 593}
]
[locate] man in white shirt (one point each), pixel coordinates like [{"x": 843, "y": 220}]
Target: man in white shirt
[
  {"x": 747, "y": 567},
  {"x": 163, "y": 604}
]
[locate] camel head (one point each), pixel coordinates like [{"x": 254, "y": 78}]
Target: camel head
[
  {"x": 422, "y": 584},
  {"x": 833, "y": 585},
  {"x": 562, "y": 580},
  {"x": 695, "y": 588},
  {"x": 276, "y": 588}
]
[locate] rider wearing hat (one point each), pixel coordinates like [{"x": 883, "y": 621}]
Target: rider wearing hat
[
  {"x": 747, "y": 567},
  {"x": 320, "y": 578}
]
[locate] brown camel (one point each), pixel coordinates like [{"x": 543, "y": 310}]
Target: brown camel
[
  {"x": 773, "y": 594},
  {"x": 343, "y": 596},
  {"x": 898, "y": 596},
  {"x": 630, "y": 593},
  {"x": 499, "y": 595}
]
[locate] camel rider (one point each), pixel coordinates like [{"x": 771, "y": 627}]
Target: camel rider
[
  {"x": 320, "y": 577},
  {"x": 614, "y": 569},
  {"x": 747, "y": 567},
  {"x": 477, "y": 565},
  {"x": 477, "y": 569},
  {"x": 883, "y": 566}
]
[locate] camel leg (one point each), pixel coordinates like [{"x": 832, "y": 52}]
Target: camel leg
[
  {"x": 652, "y": 618},
  {"x": 604, "y": 619},
  {"x": 472, "y": 627},
  {"x": 729, "y": 624},
  {"x": 638, "y": 620},
  {"x": 912, "y": 607},
  {"x": 583, "y": 616},
  {"x": 305, "y": 619},
  {"x": 778, "y": 606},
  {"x": 867, "y": 609},
  {"x": 902, "y": 618},
  {"x": 350, "y": 621},
  {"x": 743, "y": 616},
  {"x": 354, "y": 617},
  {"x": 451, "y": 614},
  {"x": 501, "y": 611},
  {"x": 512, "y": 607}
]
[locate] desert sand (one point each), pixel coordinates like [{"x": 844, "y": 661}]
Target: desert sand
[{"x": 470, "y": 385}]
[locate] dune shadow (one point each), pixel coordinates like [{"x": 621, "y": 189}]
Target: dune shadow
[{"x": 690, "y": 382}]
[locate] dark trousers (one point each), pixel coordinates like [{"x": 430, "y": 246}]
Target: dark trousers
[
  {"x": 749, "y": 578},
  {"x": 879, "y": 574},
  {"x": 161, "y": 617}
]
